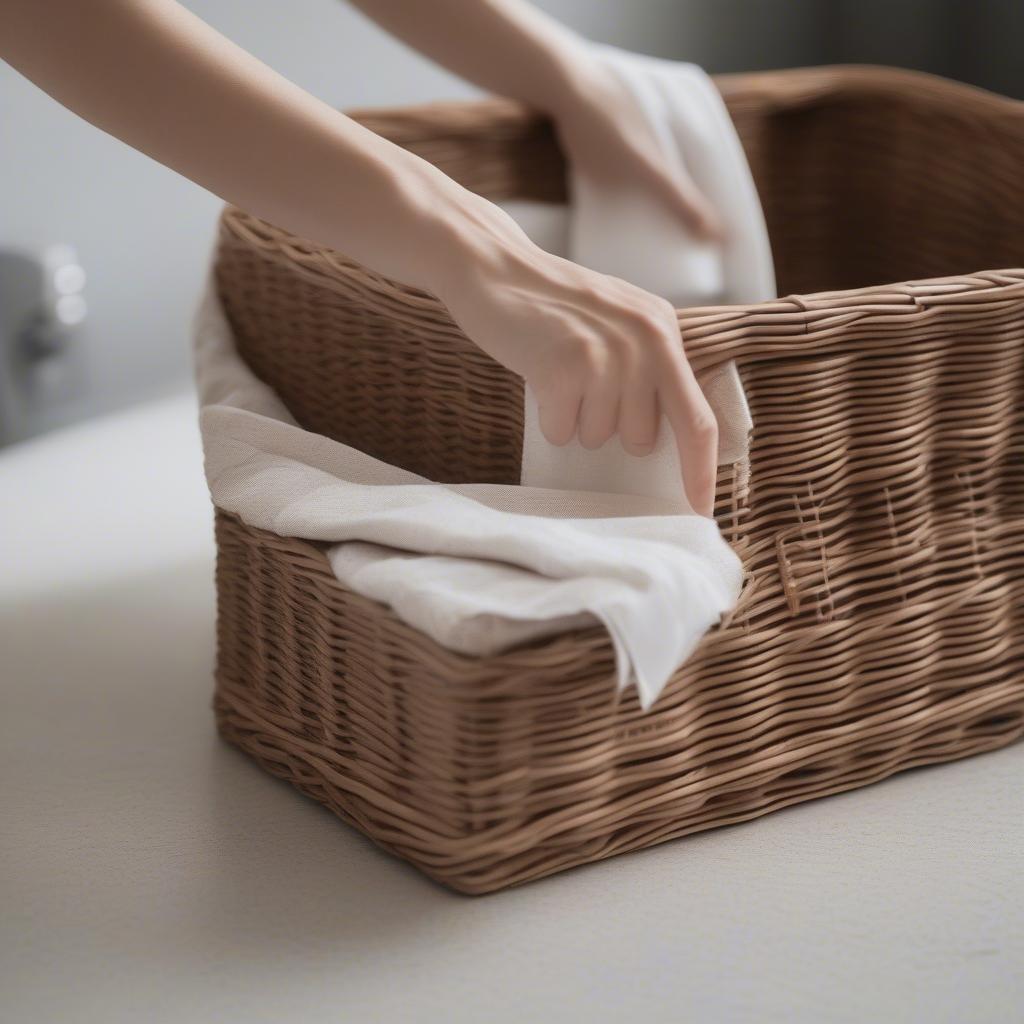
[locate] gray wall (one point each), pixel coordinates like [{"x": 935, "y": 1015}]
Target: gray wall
[
  {"x": 977, "y": 41},
  {"x": 143, "y": 234}
]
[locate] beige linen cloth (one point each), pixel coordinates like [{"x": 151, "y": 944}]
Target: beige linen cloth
[{"x": 481, "y": 567}]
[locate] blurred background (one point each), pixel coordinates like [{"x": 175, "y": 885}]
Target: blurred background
[{"x": 103, "y": 252}]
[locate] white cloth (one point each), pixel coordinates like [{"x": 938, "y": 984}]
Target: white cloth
[
  {"x": 470, "y": 565},
  {"x": 628, "y": 234}
]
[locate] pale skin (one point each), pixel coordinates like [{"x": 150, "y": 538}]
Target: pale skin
[{"x": 603, "y": 356}]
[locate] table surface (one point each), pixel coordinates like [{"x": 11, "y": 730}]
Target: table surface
[{"x": 152, "y": 873}]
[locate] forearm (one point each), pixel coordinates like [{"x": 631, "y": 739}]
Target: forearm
[
  {"x": 507, "y": 47},
  {"x": 155, "y": 76}
]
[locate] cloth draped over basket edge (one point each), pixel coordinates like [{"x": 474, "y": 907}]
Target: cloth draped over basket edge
[{"x": 466, "y": 564}]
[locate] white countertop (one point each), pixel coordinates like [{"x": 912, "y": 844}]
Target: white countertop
[{"x": 150, "y": 873}]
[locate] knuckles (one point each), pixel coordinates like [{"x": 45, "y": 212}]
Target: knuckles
[
  {"x": 618, "y": 337},
  {"x": 590, "y": 357},
  {"x": 704, "y": 427}
]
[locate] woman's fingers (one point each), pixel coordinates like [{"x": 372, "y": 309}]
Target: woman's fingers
[
  {"x": 558, "y": 413},
  {"x": 599, "y": 410},
  {"x": 609, "y": 395},
  {"x": 696, "y": 430},
  {"x": 623, "y": 387},
  {"x": 639, "y": 415}
]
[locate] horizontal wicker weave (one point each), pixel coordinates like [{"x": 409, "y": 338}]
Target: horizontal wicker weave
[{"x": 881, "y": 526}]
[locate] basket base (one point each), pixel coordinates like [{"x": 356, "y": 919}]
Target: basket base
[{"x": 961, "y": 729}]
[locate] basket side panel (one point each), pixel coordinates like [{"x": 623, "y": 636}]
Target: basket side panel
[{"x": 369, "y": 363}]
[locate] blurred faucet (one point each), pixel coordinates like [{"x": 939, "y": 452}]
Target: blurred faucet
[{"x": 42, "y": 305}]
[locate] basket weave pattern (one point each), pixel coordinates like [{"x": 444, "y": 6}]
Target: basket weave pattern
[{"x": 881, "y": 526}]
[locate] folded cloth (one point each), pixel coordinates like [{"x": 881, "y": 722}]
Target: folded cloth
[
  {"x": 627, "y": 233},
  {"x": 470, "y": 565}
]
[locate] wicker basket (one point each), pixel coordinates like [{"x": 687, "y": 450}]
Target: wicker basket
[{"x": 882, "y": 526}]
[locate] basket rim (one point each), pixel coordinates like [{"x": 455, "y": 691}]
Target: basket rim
[
  {"x": 813, "y": 318},
  {"x": 796, "y": 86},
  {"x": 784, "y": 87}
]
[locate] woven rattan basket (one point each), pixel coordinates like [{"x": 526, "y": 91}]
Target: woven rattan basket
[{"x": 882, "y": 525}]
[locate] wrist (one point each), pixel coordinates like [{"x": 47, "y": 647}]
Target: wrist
[
  {"x": 575, "y": 75},
  {"x": 412, "y": 222},
  {"x": 416, "y": 225},
  {"x": 469, "y": 241},
  {"x": 556, "y": 72}
]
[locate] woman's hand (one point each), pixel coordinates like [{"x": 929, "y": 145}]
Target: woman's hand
[{"x": 601, "y": 355}]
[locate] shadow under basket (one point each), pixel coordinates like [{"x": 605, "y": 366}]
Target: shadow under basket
[{"x": 881, "y": 525}]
